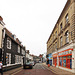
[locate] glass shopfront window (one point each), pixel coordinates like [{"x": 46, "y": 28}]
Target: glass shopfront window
[
  {"x": 60, "y": 61},
  {"x": 66, "y": 61}
]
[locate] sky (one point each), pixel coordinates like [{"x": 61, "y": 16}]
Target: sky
[{"x": 32, "y": 21}]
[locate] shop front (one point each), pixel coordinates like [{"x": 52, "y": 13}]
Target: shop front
[
  {"x": 65, "y": 58},
  {"x": 54, "y": 59},
  {"x": 50, "y": 58}
]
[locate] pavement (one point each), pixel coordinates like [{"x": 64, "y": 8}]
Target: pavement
[
  {"x": 11, "y": 72},
  {"x": 55, "y": 70},
  {"x": 58, "y": 71}
]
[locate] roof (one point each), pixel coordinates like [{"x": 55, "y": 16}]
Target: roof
[{"x": 10, "y": 35}]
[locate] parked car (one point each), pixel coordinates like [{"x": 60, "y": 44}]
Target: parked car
[
  {"x": 32, "y": 62},
  {"x": 28, "y": 65}
]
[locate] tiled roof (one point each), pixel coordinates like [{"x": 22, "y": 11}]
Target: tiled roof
[{"x": 10, "y": 35}]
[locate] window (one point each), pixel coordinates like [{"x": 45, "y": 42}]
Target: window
[
  {"x": 66, "y": 19},
  {"x": 56, "y": 45},
  {"x": 64, "y": 61},
  {"x": 60, "y": 41},
  {"x": 17, "y": 58},
  {"x": 8, "y": 58},
  {"x": 56, "y": 33},
  {"x": 18, "y": 49},
  {"x": 8, "y": 43},
  {"x": 66, "y": 37},
  {"x": 60, "y": 61},
  {"x": 60, "y": 26},
  {"x": 23, "y": 52},
  {"x": 53, "y": 36}
]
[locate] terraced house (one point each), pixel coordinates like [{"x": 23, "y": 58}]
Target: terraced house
[
  {"x": 61, "y": 43},
  {"x": 13, "y": 50}
]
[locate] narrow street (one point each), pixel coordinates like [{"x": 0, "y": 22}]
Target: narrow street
[{"x": 38, "y": 69}]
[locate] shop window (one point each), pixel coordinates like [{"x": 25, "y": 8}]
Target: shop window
[
  {"x": 64, "y": 61},
  {"x": 66, "y": 37},
  {"x": 60, "y": 61},
  {"x": 8, "y": 43}
]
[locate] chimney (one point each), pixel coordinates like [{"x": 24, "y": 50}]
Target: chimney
[{"x": 1, "y": 18}]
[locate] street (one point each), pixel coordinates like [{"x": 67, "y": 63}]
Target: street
[{"x": 38, "y": 69}]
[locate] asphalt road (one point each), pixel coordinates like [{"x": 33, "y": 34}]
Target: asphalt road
[{"x": 38, "y": 69}]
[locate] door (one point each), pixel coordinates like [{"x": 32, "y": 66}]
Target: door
[{"x": 68, "y": 63}]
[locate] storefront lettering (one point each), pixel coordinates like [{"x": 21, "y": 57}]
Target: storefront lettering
[{"x": 65, "y": 52}]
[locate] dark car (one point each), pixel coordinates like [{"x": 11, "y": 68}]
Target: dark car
[
  {"x": 28, "y": 66},
  {"x": 32, "y": 62}
]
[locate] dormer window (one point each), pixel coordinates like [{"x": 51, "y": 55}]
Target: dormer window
[{"x": 8, "y": 43}]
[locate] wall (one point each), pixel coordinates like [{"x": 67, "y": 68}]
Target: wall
[{"x": 1, "y": 27}]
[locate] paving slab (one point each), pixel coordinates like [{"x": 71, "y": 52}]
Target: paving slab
[{"x": 58, "y": 71}]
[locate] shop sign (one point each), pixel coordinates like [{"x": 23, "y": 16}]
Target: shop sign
[
  {"x": 65, "y": 52},
  {"x": 55, "y": 55},
  {"x": 51, "y": 58}
]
